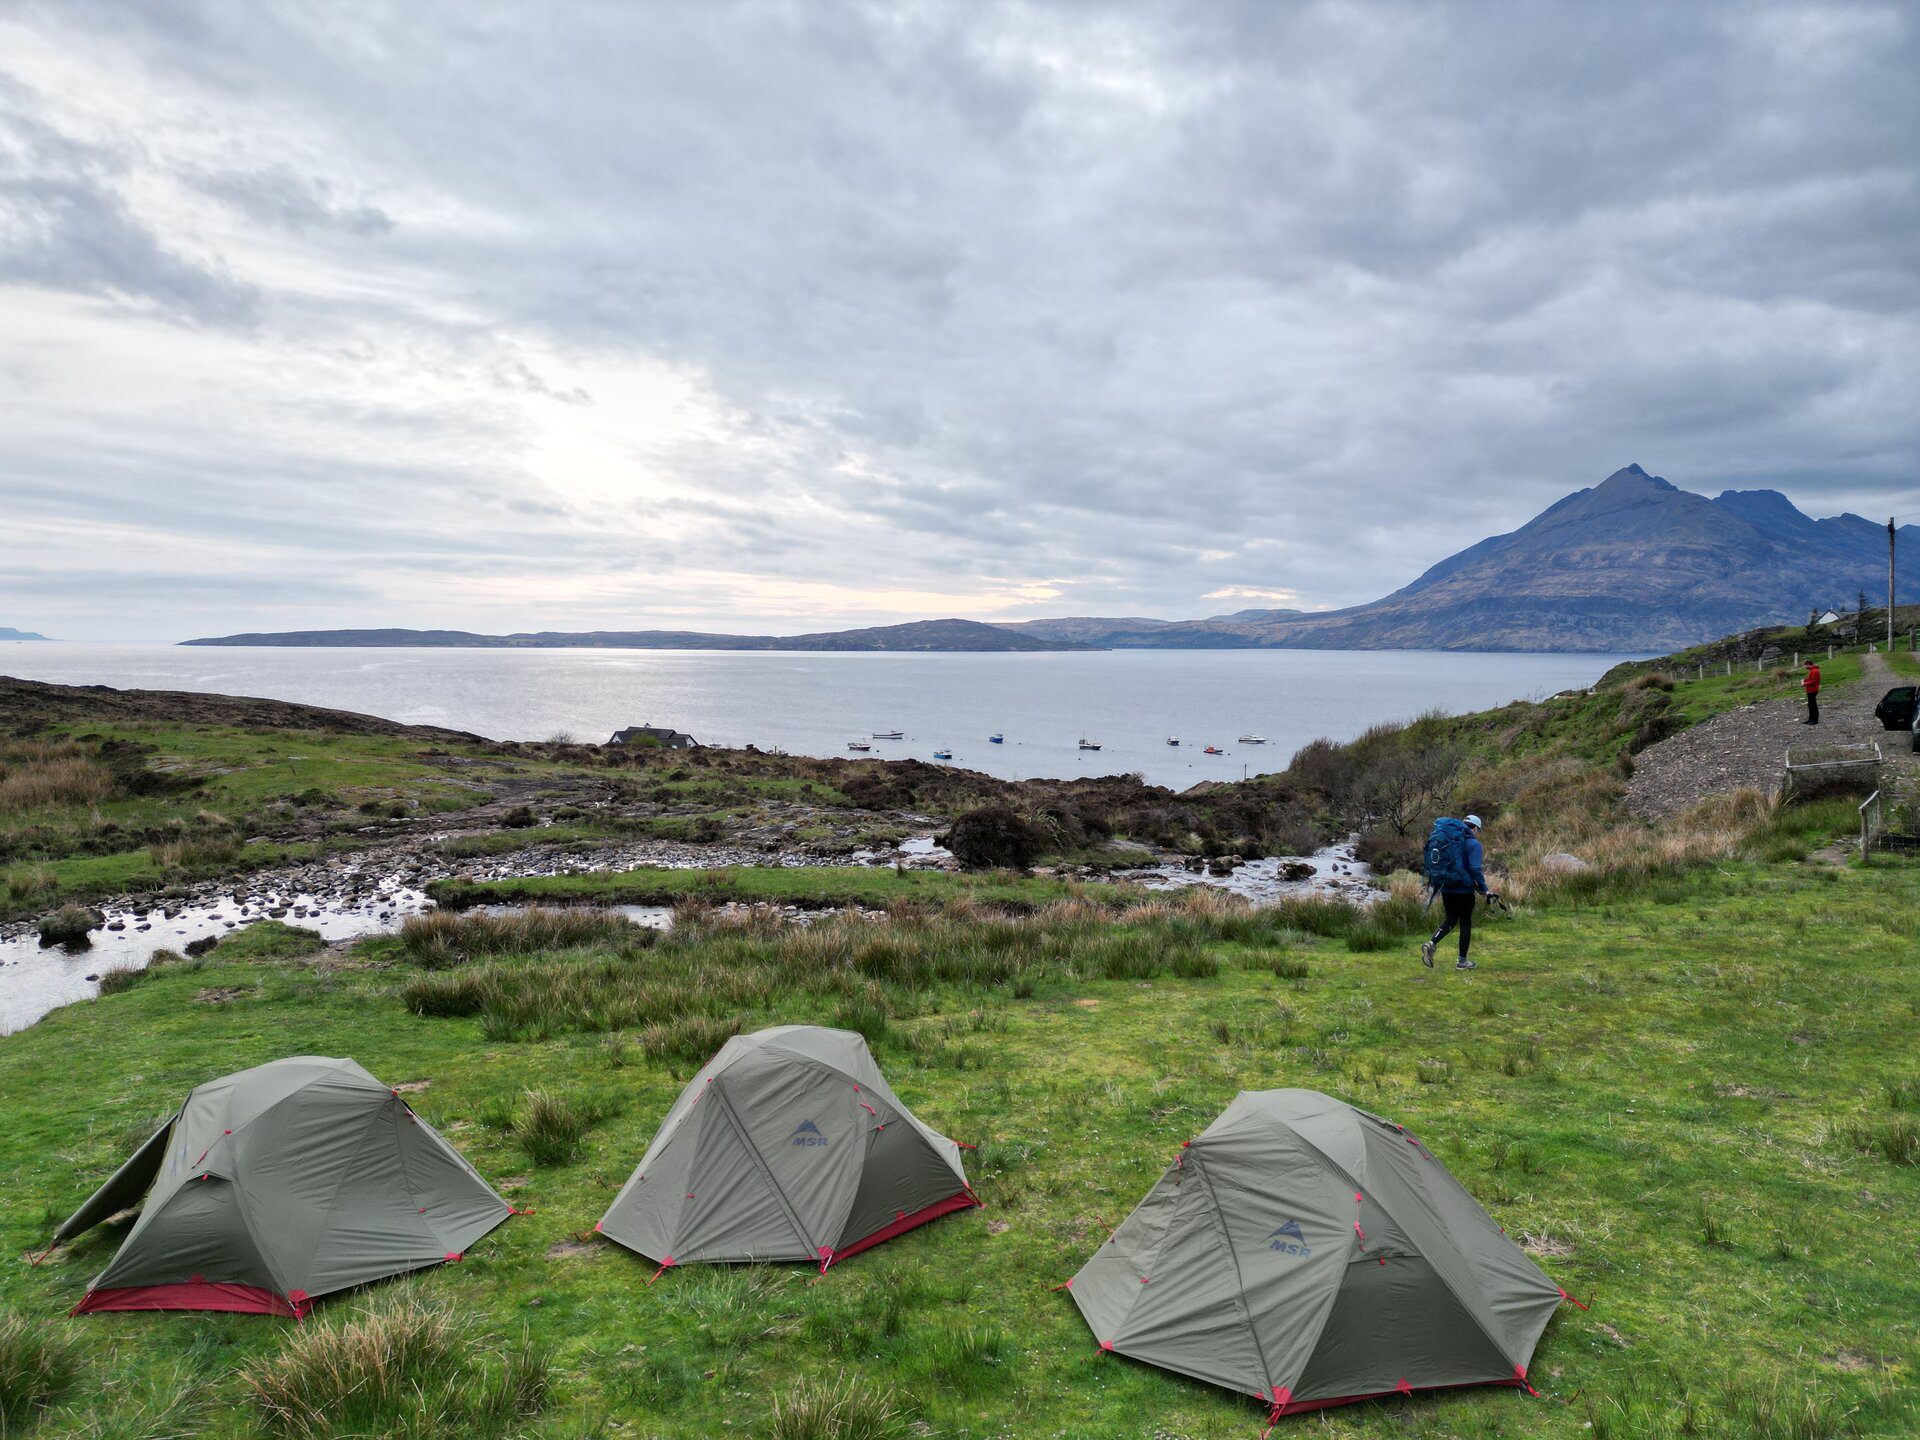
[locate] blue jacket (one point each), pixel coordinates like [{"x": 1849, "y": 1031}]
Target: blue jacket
[{"x": 1475, "y": 858}]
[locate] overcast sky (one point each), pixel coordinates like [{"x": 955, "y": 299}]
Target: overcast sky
[{"x": 789, "y": 316}]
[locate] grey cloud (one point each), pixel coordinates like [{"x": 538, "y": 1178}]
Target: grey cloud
[
  {"x": 277, "y": 195},
  {"x": 64, "y": 225},
  {"x": 1093, "y": 290}
]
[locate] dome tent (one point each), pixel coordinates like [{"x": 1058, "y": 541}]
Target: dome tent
[
  {"x": 1311, "y": 1254},
  {"x": 788, "y": 1145},
  {"x": 277, "y": 1185}
]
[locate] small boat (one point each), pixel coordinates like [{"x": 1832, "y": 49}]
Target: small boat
[
  {"x": 1213, "y": 750},
  {"x": 1173, "y": 739},
  {"x": 889, "y": 735},
  {"x": 943, "y": 754},
  {"x": 996, "y": 738},
  {"x": 858, "y": 745},
  {"x": 1253, "y": 739},
  {"x": 1086, "y": 744}
]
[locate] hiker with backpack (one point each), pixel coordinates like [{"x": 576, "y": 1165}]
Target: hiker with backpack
[{"x": 1453, "y": 866}]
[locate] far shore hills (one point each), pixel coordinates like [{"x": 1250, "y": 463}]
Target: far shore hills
[{"x": 1633, "y": 564}]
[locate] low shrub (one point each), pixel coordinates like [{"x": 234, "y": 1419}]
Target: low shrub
[
  {"x": 995, "y": 837},
  {"x": 114, "y": 982},
  {"x": 401, "y": 1367},
  {"x": 38, "y": 1363}
]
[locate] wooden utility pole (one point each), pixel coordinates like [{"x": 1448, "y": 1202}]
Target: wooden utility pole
[{"x": 1890, "y": 584}]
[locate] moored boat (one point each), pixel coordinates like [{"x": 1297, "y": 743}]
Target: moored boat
[
  {"x": 1253, "y": 739},
  {"x": 858, "y": 745},
  {"x": 1086, "y": 744},
  {"x": 1213, "y": 750},
  {"x": 1173, "y": 739},
  {"x": 996, "y": 738},
  {"x": 943, "y": 754},
  {"x": 889, "y": 735}
]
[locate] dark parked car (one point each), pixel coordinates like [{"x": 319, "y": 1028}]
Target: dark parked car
[{"x": 1896, "y": 708}]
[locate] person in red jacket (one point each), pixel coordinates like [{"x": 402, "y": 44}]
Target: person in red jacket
[{"x": 1811, "y": 684}]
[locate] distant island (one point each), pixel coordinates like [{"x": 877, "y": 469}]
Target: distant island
[
  {"x": 7, "y": 632},
  {"x": 919, "y": 635},
  {"x": 1632, "y": 564}
]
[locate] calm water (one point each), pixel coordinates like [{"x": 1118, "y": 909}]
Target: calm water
[{"x": 813, "y": 704}]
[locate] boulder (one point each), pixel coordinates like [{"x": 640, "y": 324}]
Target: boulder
[{"x": 1560, "y": 862}]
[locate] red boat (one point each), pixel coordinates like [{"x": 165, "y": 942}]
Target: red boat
[{"x": 1213, "y": 750}]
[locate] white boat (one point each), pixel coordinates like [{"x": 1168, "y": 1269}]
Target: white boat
[
  {"x": 889, "y": 735},
  {"x": 1173, "y": 739},
  {"x": 1253, "y": 739},
  {"x": 1086, "y": 744},
  {"x": 858, "y": 745}
]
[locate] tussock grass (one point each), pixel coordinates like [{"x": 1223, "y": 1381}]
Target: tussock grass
[
  {"x": 70, "y": 925},
  {"x": 690, "y": 989},
  {"x": 23, "y": 882},
  {"x": 114, "y": 982},
  {"x": 550, "y": 1127},
  {"x": 842, "y": 1409},
  {"x": 441, "y": 938},
  {"x": 400, "y": 1367},
  {"x": 195, "y": 852},
  {"x": 49, "y": 775},
  {"x": 38, "y": 1365},
  {"x": 1895, "y": 1138}
]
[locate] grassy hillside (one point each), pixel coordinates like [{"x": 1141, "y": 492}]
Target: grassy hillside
[
  {"x": 1681, "y": 1078},
  {"x": 1691, "y": 1105}
]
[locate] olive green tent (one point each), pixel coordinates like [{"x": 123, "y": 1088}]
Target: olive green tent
[
  {"x": 280, "y": 1184},
  {"x": 1311, "y": 1254},
  {"x": 787, "y": 1146}
]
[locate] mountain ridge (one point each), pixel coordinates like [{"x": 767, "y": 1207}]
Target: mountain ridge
[
  {"x": 1634, "y": 563},
  {"x": 916, "y": 635}
]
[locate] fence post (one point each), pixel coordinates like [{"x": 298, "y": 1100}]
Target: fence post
[
  {"x": 1729, "y": 667},
  {"x": 1829, "y": 652}
]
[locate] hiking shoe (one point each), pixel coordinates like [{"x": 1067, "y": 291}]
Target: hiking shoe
[
  {"x": 1463, "y": 963},
  {"x": 1426, "y": 954}
]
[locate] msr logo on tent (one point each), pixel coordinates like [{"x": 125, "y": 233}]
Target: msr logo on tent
[
  {"x": 807, "y": 1133},
  {"x": 1288, "y": 1240}
]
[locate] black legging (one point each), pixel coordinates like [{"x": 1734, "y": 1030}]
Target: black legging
[
  {"x": 1813, "y": 707},
  {"x": 1459, "y": 908}
]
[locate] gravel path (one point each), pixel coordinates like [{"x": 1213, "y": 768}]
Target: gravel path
[{"x": 1746, "y": 748}]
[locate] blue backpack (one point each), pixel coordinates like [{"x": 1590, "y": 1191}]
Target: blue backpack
[{"x": 1446, "y": 856}]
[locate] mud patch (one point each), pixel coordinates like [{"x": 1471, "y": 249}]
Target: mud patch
[
  {"x": 1856, "y": 1362},
  {"x": 1087, "y": 1004},
  {"x": 223, "y": 994},
  {"x": 1748, "y": 1092},
  {"x": 411, "y": 1087},
  {"x": 1546, "y": 1247},
  {"x": 573, "y": 1249}
]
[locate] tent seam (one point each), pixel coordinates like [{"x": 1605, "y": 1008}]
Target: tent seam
[
  {"x": 753, "y": 1153},
  {"x": 1499, "y": 1348},
  {"x": 1239, "y": 1278}
]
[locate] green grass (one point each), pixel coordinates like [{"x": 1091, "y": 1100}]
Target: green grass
[
  {"x": 819, "y": 886},
  {"x": 1690, "y": 1099}
]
